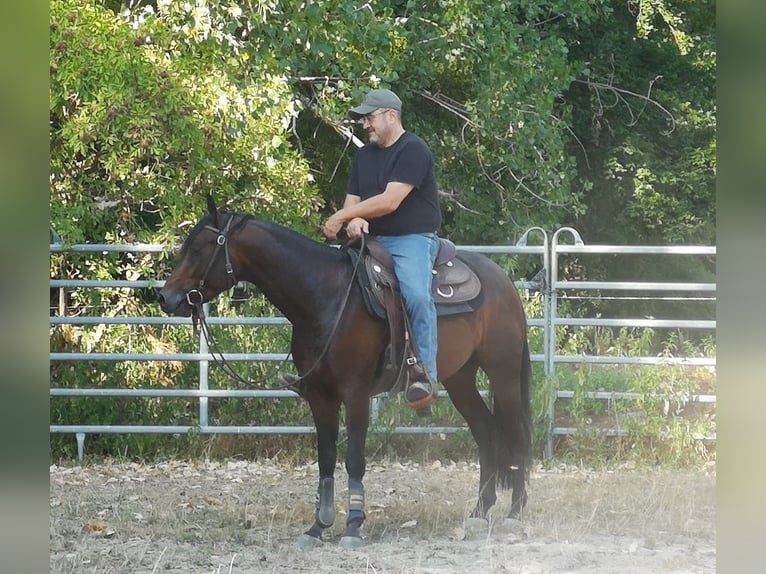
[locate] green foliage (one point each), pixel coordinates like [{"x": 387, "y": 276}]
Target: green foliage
[
  {"x": 599, "y": 115},
  {"x": 535, "y": 112},
  {"x": 645, "y": 121},
  {"x": 480, "y": 82},
  {"x": 150, "y": 113},
  {"x": 661, "y": 425},
  {"x": 670, "y": 427},
  {"x": 538, "y": 113}
]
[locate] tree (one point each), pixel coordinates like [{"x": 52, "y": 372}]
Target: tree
[
  {"x": 149, "y": 114},
  {"x": 539, "y": 113},
  {"x": 644, "y": 116},
  {"x": 480, "y": 81}
]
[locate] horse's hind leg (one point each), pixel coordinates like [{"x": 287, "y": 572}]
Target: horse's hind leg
[
  {"x": 326, "y": 419},
  {"x": 462, "y": 390}
]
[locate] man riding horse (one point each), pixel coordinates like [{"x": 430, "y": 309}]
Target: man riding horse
[{"x": 392, "y": 195}]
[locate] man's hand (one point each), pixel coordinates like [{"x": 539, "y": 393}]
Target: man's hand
[
  {"x": 331, "y": 227},
  {"x": 356, "y": 227}
]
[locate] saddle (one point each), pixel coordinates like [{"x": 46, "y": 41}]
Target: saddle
[
  {"x": 455, "y": 288},
  {"x": 453, "y": 283}
]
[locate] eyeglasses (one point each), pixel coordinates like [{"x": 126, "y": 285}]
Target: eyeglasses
[{"x": 372, "y": 115}]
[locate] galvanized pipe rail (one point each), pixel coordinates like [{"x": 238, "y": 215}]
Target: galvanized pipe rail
[
  {"x": 556, "y": 286},
  {"x": 546, "y": 282}
]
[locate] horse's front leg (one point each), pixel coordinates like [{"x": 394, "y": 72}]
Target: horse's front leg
[
  {"x": 326, "y": 419},
  {"x": 357, "y": 422}
]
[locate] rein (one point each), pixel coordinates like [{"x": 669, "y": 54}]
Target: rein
[
  {"x": 195, "y": 300},
  {"x": 221, "y": 361}
]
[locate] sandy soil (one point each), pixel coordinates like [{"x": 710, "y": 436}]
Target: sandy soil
[{"x": 240, "y": 516}]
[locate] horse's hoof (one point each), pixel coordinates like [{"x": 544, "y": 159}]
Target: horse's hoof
[
  {"x": 351, "y": 542},
  {"x": 475, "y": 524},
  {"x": 306, "y": 541}
]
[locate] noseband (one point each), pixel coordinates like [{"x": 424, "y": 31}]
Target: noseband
[{"x": 194, "y": 297}]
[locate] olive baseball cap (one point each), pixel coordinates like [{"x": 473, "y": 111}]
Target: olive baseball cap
[{"x": 375, "y": 100}]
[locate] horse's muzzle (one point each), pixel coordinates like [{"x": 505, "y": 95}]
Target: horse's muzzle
[{"x": 174, "y": 302}]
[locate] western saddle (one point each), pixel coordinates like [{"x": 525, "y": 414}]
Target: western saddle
[{"x": 455, "y": 288}]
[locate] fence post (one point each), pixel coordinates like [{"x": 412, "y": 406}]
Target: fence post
[
  {"x": 204, "y": 369},
  {"x": 80, "y": 438},
  {"x": 550, "y": 351}
]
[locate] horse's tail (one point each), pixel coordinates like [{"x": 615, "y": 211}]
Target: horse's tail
[
  {"x": 525, "y": 380},
  {"x": 513, "y": 431}
]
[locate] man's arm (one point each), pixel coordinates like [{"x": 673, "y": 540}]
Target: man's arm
[
  {"x": 375, "y": 206},
  {"x": 358, "y": 225},
  {"x": 351, "y": 200}
]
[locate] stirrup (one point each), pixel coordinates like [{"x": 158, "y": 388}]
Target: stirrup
[{"x": 424, "y": 394}]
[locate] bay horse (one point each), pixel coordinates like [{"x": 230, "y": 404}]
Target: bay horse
[{"x": 337, "y": 346}]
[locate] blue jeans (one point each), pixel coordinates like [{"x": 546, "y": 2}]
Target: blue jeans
[{"x": 414, "y": 257}]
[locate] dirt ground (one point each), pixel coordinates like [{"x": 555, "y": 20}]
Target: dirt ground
[{"x": 243, "y": 517}]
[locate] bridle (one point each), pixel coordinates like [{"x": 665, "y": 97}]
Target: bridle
[{"x": 194, "y": 298}]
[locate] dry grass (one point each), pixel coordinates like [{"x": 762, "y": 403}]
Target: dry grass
[{"x": 244, "y": 517}]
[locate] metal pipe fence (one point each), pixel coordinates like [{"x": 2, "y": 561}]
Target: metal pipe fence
[{"x": 546, "y": 282}]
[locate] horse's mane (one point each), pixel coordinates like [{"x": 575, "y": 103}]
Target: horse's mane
[
  {"x": 311, "y": 250},
  {"x": 307, "y": 243}
]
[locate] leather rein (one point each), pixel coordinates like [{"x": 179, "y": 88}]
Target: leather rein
[{"x": 195, "y": 299}]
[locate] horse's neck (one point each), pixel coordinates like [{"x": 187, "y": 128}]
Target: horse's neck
[{"x": 295, "y": 273}]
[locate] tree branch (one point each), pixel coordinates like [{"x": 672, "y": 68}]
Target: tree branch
[
  {"x": 452, "y": 106},
  {"x": 647, "y": 99},
  {"x": 452, "y": 197}
]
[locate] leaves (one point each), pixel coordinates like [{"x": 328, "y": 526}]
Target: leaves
[
  {"x": 600, "y": 115},
  {"x": 649, "y": 150},
  {"x": 148, "y": 114},
  {"x": 154, "y": 106}
]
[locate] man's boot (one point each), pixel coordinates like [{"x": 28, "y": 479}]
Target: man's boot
[{"x": 421, "y": 389}]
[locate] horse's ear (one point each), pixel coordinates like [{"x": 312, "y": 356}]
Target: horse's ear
[{"x": 212, "y": 209}]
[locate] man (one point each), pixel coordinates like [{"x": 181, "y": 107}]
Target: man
[{"x": 392, "y": 196}]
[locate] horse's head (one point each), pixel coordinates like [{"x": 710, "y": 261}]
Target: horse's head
[{"x": 204, "y": 268}]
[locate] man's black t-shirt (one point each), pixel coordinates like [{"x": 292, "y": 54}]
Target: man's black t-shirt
[{"x": 410, "y": 161}]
